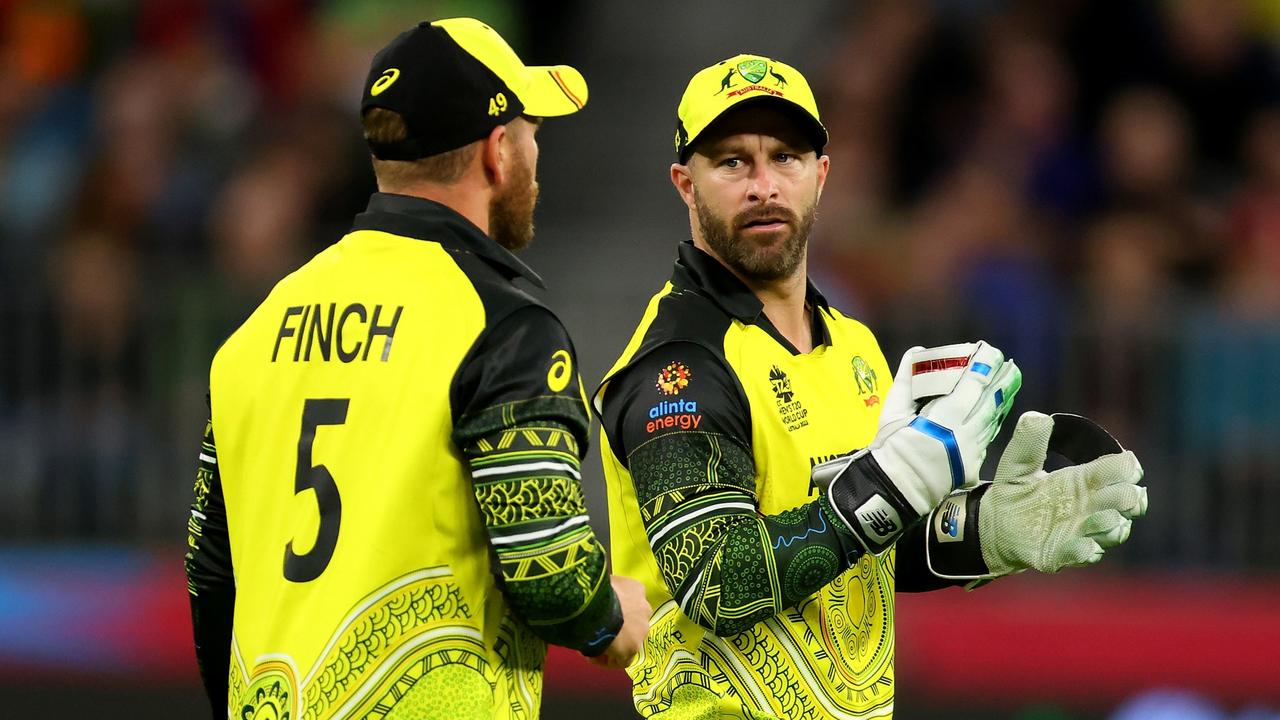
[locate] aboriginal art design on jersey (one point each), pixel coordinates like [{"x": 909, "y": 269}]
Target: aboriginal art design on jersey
[
  {"x": 391, "y": 622},
  {"x": 399, "y": 636}
]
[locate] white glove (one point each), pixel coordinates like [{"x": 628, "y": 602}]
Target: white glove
[
  {"x": 920, "y": 455},
  {"x": 1033, "y": 517}
]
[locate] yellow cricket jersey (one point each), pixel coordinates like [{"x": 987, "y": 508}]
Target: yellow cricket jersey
[
  {"x": 392, "y": 417},
  {"x": 712, "y": 422}
]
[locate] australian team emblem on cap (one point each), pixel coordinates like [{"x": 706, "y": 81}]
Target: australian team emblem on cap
[
  {"x": 753, "y": 70},
  {"x": 715, "y": 89}
]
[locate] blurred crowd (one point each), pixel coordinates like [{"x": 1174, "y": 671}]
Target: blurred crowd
[
  {"x": 987, "y": 148},
  {"x": 1093, "y": 185}
]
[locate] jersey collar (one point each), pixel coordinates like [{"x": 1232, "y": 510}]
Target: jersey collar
[
  {"x": 699, "y": 271},
  {"x": 424, "y": 219}
]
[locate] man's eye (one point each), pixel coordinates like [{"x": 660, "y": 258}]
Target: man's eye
[
  {"x": 731, "y": 162},
  {"x": 784, "y": 158}
]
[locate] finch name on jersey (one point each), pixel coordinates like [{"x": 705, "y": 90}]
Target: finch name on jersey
[{"x": 328, "y": 331}]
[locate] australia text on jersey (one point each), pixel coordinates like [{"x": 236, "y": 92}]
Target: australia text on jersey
[{"x": 326, "y": 330}]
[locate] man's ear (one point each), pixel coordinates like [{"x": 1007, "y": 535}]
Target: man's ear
[
  {"x": 824, "y": 167},
  {"x": 682, "y": 179},
  {"x": 495, "y": 156}
]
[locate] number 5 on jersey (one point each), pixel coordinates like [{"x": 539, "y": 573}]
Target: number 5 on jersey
[{"x": 309, "y": 566}]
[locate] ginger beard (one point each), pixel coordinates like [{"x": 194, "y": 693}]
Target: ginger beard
[
  {"x": 754, "y": 255},
  {"x": 511, "y": 212}
]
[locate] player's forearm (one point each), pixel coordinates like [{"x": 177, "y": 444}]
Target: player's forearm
[
  {"x": 562, "y": 591},
  {"x": 550, "y": 566},
  {"x": 759, "y": 567},
  {"x": 727, "y": 566}
]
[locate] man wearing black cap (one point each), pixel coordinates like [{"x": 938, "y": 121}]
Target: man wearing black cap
[
  {"x": 391, "y": 523},
  {"x": 762, "y": 468}
]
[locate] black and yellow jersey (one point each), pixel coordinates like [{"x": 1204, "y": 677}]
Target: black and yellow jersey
[
  {"x": 399, "y": 432},
  {"x": 765, "y": 604}
]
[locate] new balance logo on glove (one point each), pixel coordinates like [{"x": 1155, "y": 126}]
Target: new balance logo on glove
[
  {"x": 879, "y": 519},
  {"x": 880, "y": 523}
]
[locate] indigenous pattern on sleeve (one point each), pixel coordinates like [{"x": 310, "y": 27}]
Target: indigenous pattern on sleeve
[
  {"x": 758, "y": 611},
  {"x": 210, "y": 582},
  {"x": 695, "y": 482},
  {"x": 522, "y": 432},
  {"x": 208, "y": 559}
]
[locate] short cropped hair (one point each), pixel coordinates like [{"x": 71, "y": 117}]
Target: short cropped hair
[{"x": 382, "y": 125}]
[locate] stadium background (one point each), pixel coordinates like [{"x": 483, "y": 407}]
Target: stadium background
[{"x": 1094, "y": 186}]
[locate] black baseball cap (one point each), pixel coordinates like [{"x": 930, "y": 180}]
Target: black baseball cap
[{"x": 453, "y": 81}]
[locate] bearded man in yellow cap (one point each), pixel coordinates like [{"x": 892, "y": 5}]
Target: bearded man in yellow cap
[{"x": 772, "y": 483}]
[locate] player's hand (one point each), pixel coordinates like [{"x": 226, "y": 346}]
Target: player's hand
[
  {"x": 1048, "y": 520},
  {"x": 920, "y": 454},
  {"x": 635, "y": 624}
]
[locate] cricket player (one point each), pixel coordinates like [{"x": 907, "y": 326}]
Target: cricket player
[
  {"x": 390, "y": 522},
  {"x": 770, "y": 480}
]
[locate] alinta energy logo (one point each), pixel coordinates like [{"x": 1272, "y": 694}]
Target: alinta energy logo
[
  {"x": 666, "y": 415},
  {"x": 682, "y": 413},
  {"x": 794, "y": 415},
  {"x": 673, "y": 378}
]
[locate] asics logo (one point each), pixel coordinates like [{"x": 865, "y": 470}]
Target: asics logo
[{"x": 384, "y": 81}]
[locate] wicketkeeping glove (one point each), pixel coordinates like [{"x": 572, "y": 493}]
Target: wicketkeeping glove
[
  {"x": 919, "y": 455},
  {"x": 1064, "y": 492}
]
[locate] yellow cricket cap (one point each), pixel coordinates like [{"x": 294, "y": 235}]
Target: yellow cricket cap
[
  {"x": 455, "y": 80},
  {"x": 746, "y": 78},
  {"x": 545, "y": 90}
]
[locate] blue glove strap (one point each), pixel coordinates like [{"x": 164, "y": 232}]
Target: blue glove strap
[{"x": 948, "y": 440}]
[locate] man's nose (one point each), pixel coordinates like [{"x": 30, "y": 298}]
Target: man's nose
[{"x": 763, "y": 185}]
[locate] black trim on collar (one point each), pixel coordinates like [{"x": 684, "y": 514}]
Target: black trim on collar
[
  {"x": 423, "y": 219},
  {"x": 697, "y": 270}
]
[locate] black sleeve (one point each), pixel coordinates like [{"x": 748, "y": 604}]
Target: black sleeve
[
  {"x": 681, "y": 423},
  {"x": 210, "y": 582},
  {"x": 913, "y": 574},
  {"x": 521, "y": 422},
  {"x": 525, "y": 359},
  {"x": 679, "y": 387}
]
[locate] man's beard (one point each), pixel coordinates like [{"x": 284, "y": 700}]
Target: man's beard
[
  {"x": 742, "y": 254},
  {"x": 511, "y": 213}
]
